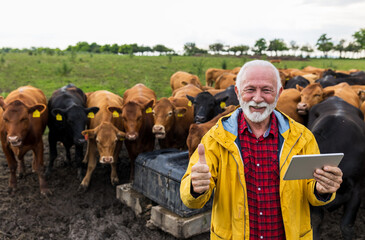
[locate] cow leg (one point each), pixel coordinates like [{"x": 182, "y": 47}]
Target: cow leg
[
  {"x": 317, "y": 214},
  {"x": 91, "y": 164},
  {"x": 114, "y": 175},
  {"x": 78, "y": 160},
  {"x": 12, "y": 163},
  {"x": 52, "y": 152},
  {"x": 21, "y": 167},
  {"x": 350, "y": 211},
  {"x": 68, "y": 154},
  {"x": 39, "y": 168}
]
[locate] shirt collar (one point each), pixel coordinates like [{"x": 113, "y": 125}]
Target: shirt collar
[{"x": 272, "y": 129}]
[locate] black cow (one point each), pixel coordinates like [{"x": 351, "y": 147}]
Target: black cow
[
  {"x": 67, "y": 118},
  {"x": 330, "y": 80},
  {"x": 339, "y": 127},
  {"x": 207, "y": 106},
  {"x": 292, "y": 83}
]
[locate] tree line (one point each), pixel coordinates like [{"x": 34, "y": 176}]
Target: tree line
[{"x": 274, "y": 47}]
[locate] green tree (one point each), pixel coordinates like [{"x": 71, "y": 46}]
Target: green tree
[
  {"x": 277, "y": 45},
  {"x": 294, "y": 47},
  {"x": 353, "y": 47},
  {"x": 191, "y": 49},
  {"x": 105, "y": 48},
  {"x": 94, "y": 48},
  {"x": 260, "y": 46},
  {"x": 216, "y": 47},
  {"x": 161, "y": 49},
  {"x": 82, "y": 47},
  {"x": 360, "y": 38},
  {"x": 306, "y": 48},
  {"x": 125, "y": 49},
  {"x": 114, "y": 48},
  {"x": 324, "y": 44},
  {"x": 340, "y": 47}
]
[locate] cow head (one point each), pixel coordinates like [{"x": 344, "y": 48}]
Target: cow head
[
  {"x": 17, "y": 118},
  {"x": 164, "y": 115},
  {"x": 310, "y": 96},
  {"x": 205, "y": 106},
  {"x": 106, "y": 137},
  {"x": 133, "y": 115},
  {"x": 73, "y": 119}
]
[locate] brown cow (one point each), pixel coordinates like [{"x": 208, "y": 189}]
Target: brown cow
[
  {"x": 172, "y": 119},
  {"x": 314, "y": 94},
  {"x": 211, "y": 74},
  {"x": 138, "y": 121},
  {"x": 22, "y": 122},
  {"x": 225, "y": 80},
  {"x": 188, "y": 89},
  {"x": 288, "y": 102},
  {"x": 180, "y": 79},
  {"x": 197, "y": 131},
  {"x": 104, "y": 134}
]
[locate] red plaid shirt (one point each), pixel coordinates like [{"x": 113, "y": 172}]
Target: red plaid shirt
[{"x": 260, "y": 159}]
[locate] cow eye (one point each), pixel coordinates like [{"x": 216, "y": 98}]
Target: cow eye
[
  {"x": 6, "y": 120},
  {"x": 139, "y": 119},
  {"x": 317, "y": 95},
  {"x": 23, "y": 119},
  {"x": 97, "y": 141},
  {"x": 169, "y": 114}
]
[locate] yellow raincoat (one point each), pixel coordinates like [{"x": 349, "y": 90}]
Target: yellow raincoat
[{"x": 230, "y": 215}]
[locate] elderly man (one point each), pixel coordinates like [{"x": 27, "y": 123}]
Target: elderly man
[{"x": 243, "y": 158}]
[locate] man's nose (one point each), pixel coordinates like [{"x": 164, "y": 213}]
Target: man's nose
[{"x": 258, "y": 96}]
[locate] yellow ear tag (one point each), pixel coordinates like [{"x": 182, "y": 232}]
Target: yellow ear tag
[
  {"x": 115, "y": 114},
  {"x": 180, "y": 115},
  {"x": 149, "y": 110},
  {"x": 36, "y": 114},
  {"x": 190, "y": 103},
  {"x": 121, "y": 139},
  {"x": 59, "y": 117},
  {"x": 223, "y": 104},
  {"x": 91, "y": 115}
]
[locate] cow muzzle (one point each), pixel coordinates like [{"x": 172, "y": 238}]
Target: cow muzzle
[
  {"x": 15, "y": 141},
  {"x": 106, "y": 159},
  {"x": 302, "y": 108},
  {"x": 159, "y": 131},
  {"x": 200, "y": 119},
  {"x": 131, "y": 136}
]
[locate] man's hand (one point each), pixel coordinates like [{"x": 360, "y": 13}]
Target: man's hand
[
  {"x": 328, "y": 179},
  {"x": 200, "y": 175}
]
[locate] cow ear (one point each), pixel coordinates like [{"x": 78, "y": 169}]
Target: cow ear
[
  {"x": 190, "y": 98},
  {"x": 121, "y": 135},
  {"x": 222, "y": 102},
  {"x": 148, "y": 106},
  {"x": 38, "y": 107},
  {"x": 299, "y": 88},
  {"x": 180, "y": 111},
  {"x": 184, "y": 83},
  {"x": 116, "y": 111},
  {"x": 94, "y": 110},
  {"x": 89, "y": 134},
  {"x": 328, "y": 93},
  {"x": 57, "y": 112},
  {"x": 2, "y": 103}
]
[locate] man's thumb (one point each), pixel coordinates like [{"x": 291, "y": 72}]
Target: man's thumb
[{"x": 201, "y": 153}]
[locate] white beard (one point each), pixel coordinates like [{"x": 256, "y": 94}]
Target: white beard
[{"x": 256, "y": 117}]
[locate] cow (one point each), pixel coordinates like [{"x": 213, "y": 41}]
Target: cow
[
  {"x": 330, "y": 80},
  {"x": 211, "y": 74},
  {"x": 104, "y": 134},
  {"x": 207, "y": 106},
  {"x": 225, "y": 80},
  {"x": 339, "y": 127},
  {"x": 288, "y": 102},
  {"x": 292, "y": 83},
  {"x": 190, "y": 89},
  {"x": 197, "y": 131},
  {"x": 138, "y": 121},
  {"x": 314, "y": 94},
  {"x": 275, "y": 60},
  {"x": 180, "y": 79},
  {"x": 67, "y": 118},
  {"x": 22, "y": 124},
  {"x": 172, "y": 119}
]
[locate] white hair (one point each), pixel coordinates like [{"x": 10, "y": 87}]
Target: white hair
[{"x": 242, "y": 73}]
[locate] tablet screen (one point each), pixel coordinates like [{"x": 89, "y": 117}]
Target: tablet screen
[{"x": 303, "y": 166}]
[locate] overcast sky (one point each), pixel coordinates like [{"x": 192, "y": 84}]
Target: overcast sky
[{"x": 47, "y": 23}]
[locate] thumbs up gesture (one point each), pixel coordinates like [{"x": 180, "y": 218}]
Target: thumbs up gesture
[{"x": 200, "y": 175}]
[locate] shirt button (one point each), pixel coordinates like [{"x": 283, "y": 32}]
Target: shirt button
[
  {"x": 262, "y": 237},
  {"x": 259, "y": 189},
  {"x": 260, "y": 213},
  {"x": 258, "y": 164}
]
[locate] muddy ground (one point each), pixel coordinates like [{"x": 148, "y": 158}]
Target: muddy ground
[{"x": 96, "y": 214}]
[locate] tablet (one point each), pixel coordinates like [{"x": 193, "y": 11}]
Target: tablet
[{"x": 303, "y": 166}]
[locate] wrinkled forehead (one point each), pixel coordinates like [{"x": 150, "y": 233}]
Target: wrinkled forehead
[
  {"x": 131, "y": 109},
  {"x": 106, "y": 131},
  {"x": 263, "y": 75},
  {"x": 16, "y": 111}
]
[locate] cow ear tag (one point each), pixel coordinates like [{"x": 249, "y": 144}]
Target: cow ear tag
[
  {"x": 86, "y": 136},
  {"x": 121, "y": 139},
  {"x": 223, "y": 105},
  {"x": 115, "y": 114},
  {"x": 36, "y": 114},
  {"x": 149, "y": 110},
  {"x": 180, "y": 115},
  {"x": 59, "y": 117},
  {"x": 90, "y": 115},
  {"x": 190, "y": 103}
]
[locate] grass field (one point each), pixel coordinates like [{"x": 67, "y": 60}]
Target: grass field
[{"x": 117, "y": 73}]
